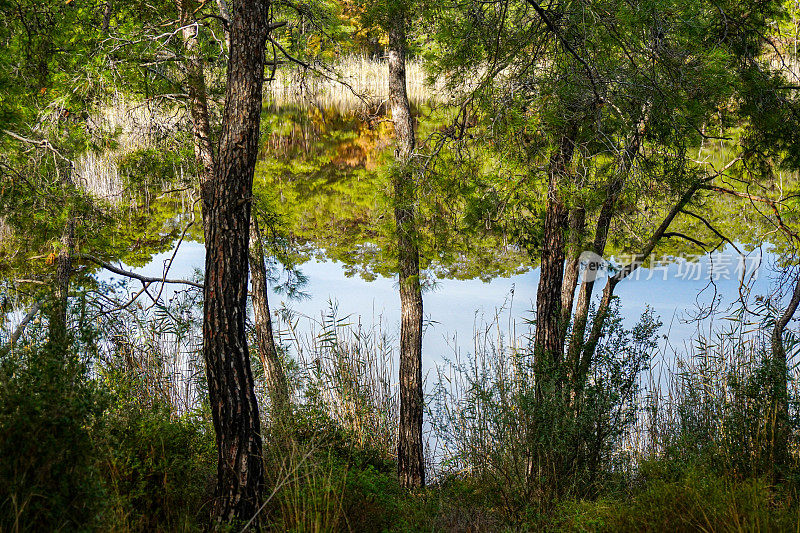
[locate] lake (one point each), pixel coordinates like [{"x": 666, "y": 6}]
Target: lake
[{"x": 454, "y": 309}]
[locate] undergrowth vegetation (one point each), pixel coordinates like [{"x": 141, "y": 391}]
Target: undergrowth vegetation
[{"x": 123, "y": 441}]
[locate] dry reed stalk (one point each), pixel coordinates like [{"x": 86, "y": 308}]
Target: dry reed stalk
[
  {"x": 133, "y": 126},
  {"x": 353, "y": 83},
  {"x": 350, "y": 368}
]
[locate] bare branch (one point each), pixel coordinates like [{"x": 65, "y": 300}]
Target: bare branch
[
  {"x": 134, "y": 275},
  {"x": 701, "y": 244},
  {"x": 27, "y": 318}
]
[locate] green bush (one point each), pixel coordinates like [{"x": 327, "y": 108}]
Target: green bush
[
  {"x": 48, "y": 475},
  {"x": 696, "y": 501},
  {"x": 159, "y": 469}
]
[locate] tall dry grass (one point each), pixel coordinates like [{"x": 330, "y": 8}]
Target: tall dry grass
[
  {"x": 354, "y": 83},
  {"x": 126, "y": 126},
  {"x": 155, "y": 349},
  {"x": 712, "y": 403},
  {"x": 345, "y": 369}
]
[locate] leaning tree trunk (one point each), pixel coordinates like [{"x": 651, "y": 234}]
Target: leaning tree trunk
[
  {"x": 196, "y": 90},
  {"x": 599, "y": 246},
  {"x": 549, "y": 341},
  {"x": 779, "y": 383},
  {"x": 226, "y": 205},
  {"x": 410, "y": 457},
  {"x": 57, "y": 335},
  {"x": 267, "y": 352},
  {"x": 588, "y": 349}
]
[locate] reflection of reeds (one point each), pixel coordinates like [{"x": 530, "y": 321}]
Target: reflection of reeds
[
  {"x": 5, "y": 230},
  {"x": 353, "y": 83},
  {"x": 132, "y": 126}
]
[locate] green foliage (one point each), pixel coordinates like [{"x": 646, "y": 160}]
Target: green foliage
[
  {"x": 103, "y": 444},
  {"x": 327, "y": 179},
  {"x": 532, "y": 448},
  {"x": 697, "y": 500},
  {"x": 49, "y": 479},
  {"x": 159, "y": 468},
  {"x": 150, "y": 166}
]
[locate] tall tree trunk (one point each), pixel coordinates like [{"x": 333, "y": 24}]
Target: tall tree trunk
[
  {"x": 779, "y": 383},
  {"x": 196, "y": 89},
  {"x": 58, "y": 314},
  {"x": 226, "y": 204},
  {"x": 577, "y": 225},
  {"x": 198, "y": 107},
  {"x": 599, "y": 246},
  {"x": 267, "y": 352},
  {"x": 549, "y": 341},
  {"x": 58, "y": 335},
  {"x": 410, "y": 448}
]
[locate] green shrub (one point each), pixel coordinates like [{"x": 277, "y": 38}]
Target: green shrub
[
  {"x": 159, "y": 469},
  {"x": 695, "y": 500},
  {"x": 48, "y": 479}
]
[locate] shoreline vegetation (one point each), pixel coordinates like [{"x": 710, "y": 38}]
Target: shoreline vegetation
[{"x": 681, "y": 438}]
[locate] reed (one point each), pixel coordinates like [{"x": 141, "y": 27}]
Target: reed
[
  {"x": 345, "y": 370},
  {"x": 354, "y": 83},
  {"x": 712, "y": 404},
  {"x": 156, "y": 350},
  {"x": 126, "y": 126}
]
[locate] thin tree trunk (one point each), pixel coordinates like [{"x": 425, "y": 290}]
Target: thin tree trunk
[
  {"x": 577, "y": 225},
  {"x": 20, "y": 329},
  {"x": 196, "y": 89},
  {"x": 410, "y": 448},
  {"x": 58, "y": 315},
  {"x": 107, "y": 10},
  {"x": 226, "y": 204},
  {"x": 267, "y": 352},
  {"x": 549, "y": 342},
  {"x": 608, "y": 293},
  {"x": 779, "y": 385},
  {"x": 588, "y": 349},
  {"x": 58, "y": 334},
  {"x": 599, "y": 246}
]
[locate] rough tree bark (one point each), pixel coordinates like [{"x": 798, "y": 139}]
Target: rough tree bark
[
  {"x": 549, "y": 341},
  {"x": 779, "y": 385},
  {"x": 58, "y": 313},
  {"x": 206, "y": 162},
  {"x": 267, "y": 352},
  {"x": 226, "y": 205},
  {"x": 58, "y": 335},
  {"x": 410, "y": 450}
]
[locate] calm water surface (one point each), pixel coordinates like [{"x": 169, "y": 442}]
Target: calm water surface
[{"x": 454, "y": 309}]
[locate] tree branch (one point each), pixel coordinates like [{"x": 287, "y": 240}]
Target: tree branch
[
  {"x": 549, "y": 23},
  {"x": 668, "y": 234},
  {"x": 27, "y": 318},
  {"x": 134, "y": 275}
]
